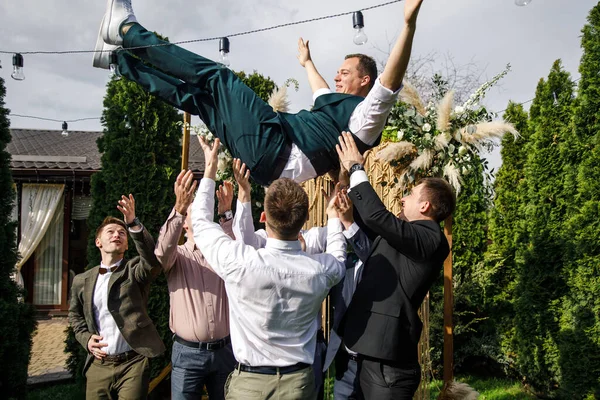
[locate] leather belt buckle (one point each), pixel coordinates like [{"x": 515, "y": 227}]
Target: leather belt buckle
[{"x": 211, "y": 346}]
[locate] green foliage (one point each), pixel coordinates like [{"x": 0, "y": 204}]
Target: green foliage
[
  {"x": 141, "y": 153},
  {"x": 540, "y": 248},
  {"x": 18, "y": 318},
  {"x": 488, "y": 388}
]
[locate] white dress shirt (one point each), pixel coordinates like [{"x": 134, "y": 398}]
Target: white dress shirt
[
  {"x": 243, "y": 229},
  {"x": 107, "y": 327},
  {"x": 274, "y": 293},
  {"x": 366, "y": 122}
]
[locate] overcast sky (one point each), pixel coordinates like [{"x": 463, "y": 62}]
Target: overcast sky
[{"x": 490, "y": 33}]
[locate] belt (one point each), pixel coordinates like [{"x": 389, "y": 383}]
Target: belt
[
  {"x": 211, "y": 346},
  {"x": 118, "y": 358},
  {"x": 273, "y": 370}
]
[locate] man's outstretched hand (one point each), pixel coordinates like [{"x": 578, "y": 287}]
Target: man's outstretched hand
[
  {"x": 211, "y": 155},
  {"x": 348, "y": 152}
]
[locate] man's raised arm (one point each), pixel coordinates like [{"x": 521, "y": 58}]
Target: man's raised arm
[
  {"x": 395, "y": 68},
  {"x": 315, "y": 79}
]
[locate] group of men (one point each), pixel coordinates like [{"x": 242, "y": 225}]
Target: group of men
[{"x": 243, "y": 304}]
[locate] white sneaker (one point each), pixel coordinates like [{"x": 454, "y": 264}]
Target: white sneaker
[
  {"x": 118, "y": 12},
  {"x": 103, "y": 51}
]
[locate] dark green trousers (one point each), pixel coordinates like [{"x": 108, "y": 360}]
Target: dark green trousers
[{"x": 247, "y": 125}]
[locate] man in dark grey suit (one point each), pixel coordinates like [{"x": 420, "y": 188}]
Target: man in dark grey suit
[
  {"x": 382, "y": 323},
  {"x": 108, "y": 310}
]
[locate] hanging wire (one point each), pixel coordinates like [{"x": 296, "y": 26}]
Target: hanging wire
[{"x": 270, "y": 28}]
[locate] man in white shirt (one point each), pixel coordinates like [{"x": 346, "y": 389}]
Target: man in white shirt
[
  {"x": 299, "y": 146},
  {"x": 274, "y": 293},
  {"x": 108, "y": 310}
]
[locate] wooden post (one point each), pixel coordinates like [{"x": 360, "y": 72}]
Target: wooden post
[
  {"x": 448, "y": 308},
  {"x": 185, "y": 144}
]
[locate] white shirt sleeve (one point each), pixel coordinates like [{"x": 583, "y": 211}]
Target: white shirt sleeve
[
  {"x": 320, "y": 92},
  {"x": 369, "y": 117},
  {"x": 221, "y": 252},
  {"x": 336, "y": 246},
  {"x": 315, "y": 239},
  {"x": 243, "y": 226}
]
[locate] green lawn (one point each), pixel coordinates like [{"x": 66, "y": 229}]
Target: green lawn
[
  {"x": 62, "y": 391},
  {"x": 488, "y": 388}
]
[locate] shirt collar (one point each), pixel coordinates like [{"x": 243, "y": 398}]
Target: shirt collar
[
  {"x": 285, "y": 245},
  {"x": 112, "y": 267}
]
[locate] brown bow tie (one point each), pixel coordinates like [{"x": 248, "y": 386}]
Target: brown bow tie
[{"x": 102, "y": 271}]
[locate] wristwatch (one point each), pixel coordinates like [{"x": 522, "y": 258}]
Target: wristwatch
[
  {"x": 355, "y": 167},
  {"x": 135, "y": 222},
  {"x": 227, "y": 215}
]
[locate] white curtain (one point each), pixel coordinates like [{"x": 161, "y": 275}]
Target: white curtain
[
  {"x": 38, "y": 205},
  {"x": 47, "y": 278}
]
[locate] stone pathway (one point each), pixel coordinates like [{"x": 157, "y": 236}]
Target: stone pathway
[{"x": 48, "y": 359}]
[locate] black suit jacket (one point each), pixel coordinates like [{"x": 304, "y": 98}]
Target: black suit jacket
[{"x": 406, "y": 258}]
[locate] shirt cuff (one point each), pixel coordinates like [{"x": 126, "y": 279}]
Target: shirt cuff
[
  {"x": 207, "y": 185},
  {"x": 320, "y": 92},
  {"x": 351, "y": 231},
  {"x": 136, "y": 230},
  {"x": 384, "y": 94},
  {"x": 357, "y": 178}
]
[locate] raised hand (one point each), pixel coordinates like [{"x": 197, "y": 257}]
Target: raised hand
[
  {"x": 224, "y": 197},
  {"x": 332, "y": 209},
  {"x": 348, "y": 152},
  {"x": 211, "y": 155},
  {"x": 127, "y": 206},
  {"x": 184, "y": 188},
  {"x": 303, "y": 52},
  {"x": 343, "y": 206},
  {"x": 242, "y": 177}
]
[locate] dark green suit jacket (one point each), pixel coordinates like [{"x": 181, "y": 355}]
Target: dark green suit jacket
[{"x": 128, "y": 290}]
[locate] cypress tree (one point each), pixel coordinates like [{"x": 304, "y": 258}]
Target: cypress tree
[
  {"x": 580, "y": 308},
  {"x": 18, "y": 318},
  {"x": 498, "y": 273},
  {"x": 540, "y": 276}
]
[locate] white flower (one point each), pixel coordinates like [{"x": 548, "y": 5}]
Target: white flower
[
  {"x": 462, "y": 150},
  {"x": 426, "y": 127},
  {"x": 459, "y": 110},
  {"x": 400, "y": 134},
  {"x": 209, "y": 136},
  {"x": 258, "y": 204},
  {"x": 427, "y": 136}
]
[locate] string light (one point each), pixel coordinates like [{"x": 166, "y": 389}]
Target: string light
[
  {"x": 270, "y": 28},
  {"x": 18, "y": 74},
  {"x": 359, "y": 23},
  {"x": 65, "y": 131},
  {"x": 522, "y": 3},
  {"x": 224, "y": 51}
]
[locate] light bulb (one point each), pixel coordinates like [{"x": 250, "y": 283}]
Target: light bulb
[
  {"x": 358, "y": 22},
  {"x": 18, "y": 67},
  {"x": 224, "y": 58},
  {"x": 114, "y": 67},
  {"x": 224, "y": 51},
  {"x": 65, "y": 129},
  {"x": 360, "y": 37},
  {"x": 522, "y": 3}
]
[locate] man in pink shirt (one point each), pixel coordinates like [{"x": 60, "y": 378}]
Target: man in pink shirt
[{"x": 199, "y": 316}]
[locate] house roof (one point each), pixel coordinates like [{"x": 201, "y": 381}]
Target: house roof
[{"x": 38, "y": 149}]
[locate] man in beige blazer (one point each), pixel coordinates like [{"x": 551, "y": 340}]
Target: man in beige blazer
[{"x": 108, "y": 310}]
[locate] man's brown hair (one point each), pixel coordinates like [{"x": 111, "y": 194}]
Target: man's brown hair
[
  {"x": 108, "y": 221},
  {"x": 286, "y": 206},
  {"x": 366, "y": 66},
  {"x": 440, "y": 195}
]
